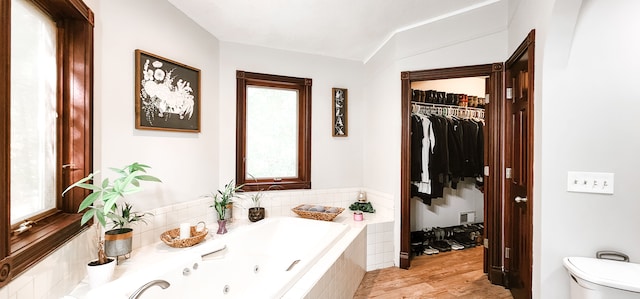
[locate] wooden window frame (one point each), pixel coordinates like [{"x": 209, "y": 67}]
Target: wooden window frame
[
  {"x": 303, "y": 85},
  {"x": 75, "y": 22}
]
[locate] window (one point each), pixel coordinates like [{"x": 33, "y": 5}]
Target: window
[
  {"x": 273, "y": 132},
  {"x": 33, "y": 110},
  {"x": 46, "y": 55}
]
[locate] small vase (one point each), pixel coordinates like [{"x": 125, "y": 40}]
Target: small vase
[
  {"x": 228, "y": 212},
  {"x": 222, "y": 227},
  {"x": 256, "y": 214}
]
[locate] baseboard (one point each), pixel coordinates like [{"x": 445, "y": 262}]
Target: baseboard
[{"x": 497, "y": 276}]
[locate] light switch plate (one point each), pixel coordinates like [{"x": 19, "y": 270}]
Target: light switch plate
[{"x": 590, "y": 182}]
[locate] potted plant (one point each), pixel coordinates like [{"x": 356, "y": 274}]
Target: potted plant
[
  {"x": 102, "y": 203},
  {"x": 221, "y": 200},
  {"x": 256, "y": 213},
  {"x": 118, "y": 240},
  {"x": 362, "y": 205}
]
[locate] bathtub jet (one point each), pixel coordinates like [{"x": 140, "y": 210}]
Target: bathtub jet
[{"x": 292, "y": 265}]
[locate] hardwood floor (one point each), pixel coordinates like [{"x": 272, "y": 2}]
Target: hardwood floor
[{"x": 456, "y": 274}]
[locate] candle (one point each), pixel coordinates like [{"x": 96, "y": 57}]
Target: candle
[
  {"x": 358, "y": 216},
  {"x": 185, "y": 230}
]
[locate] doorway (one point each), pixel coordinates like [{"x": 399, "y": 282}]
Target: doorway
[
  {"x": 491, "y": 195},
  {"x": 508, "y": 165}
]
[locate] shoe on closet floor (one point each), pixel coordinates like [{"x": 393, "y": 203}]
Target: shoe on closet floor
[
  {"x": 455, "y": 245},
  {"x": 441, "y": 245},
  {"x": 430, "y": 251}
]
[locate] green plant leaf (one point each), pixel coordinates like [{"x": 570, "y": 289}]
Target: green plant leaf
[
  {"x": 109, "y": 202},
  {"x": 89, "y": 200},
  {"x": 148, "y": 178},
  {"x": 105, "y": 183},
  {"x": 127, "y": 180},
  {"x": 100, "y": 217},
  {"x": 130, "y": 190},
  {"x": 119, "y": 171},
  {"x": 87, "y": 215},
  {"x": 81, "y": 181},
  {"x": 138, "y": 167},
  {"x": 89, "y": 187}
]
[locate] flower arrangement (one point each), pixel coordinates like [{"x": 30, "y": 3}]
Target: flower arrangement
[{"x": 224, "y": 197}]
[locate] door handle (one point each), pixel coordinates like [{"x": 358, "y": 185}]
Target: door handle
[{"x": 521, "y": 199}]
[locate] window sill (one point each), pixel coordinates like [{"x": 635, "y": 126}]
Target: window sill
[{"x": 32, "y": 246}]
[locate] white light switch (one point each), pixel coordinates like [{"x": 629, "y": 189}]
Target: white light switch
[{"x": 590, "y": 182}]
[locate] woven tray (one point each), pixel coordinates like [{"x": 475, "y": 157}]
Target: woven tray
[
  {"x": 172, "y": 237},
  {"x": 317, "y": 215}
]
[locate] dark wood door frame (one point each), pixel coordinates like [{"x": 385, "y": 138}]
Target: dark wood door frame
[{"x": 493, "y": 190}]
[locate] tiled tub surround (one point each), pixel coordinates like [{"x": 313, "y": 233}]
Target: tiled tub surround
[
  {"x": 340, "y": 272},
  {"x": 248, "y": 263},
  {"x": 57, "y": 274},
  {"x": 336, "y": 274},
  {"x": 60, "y": 272}
]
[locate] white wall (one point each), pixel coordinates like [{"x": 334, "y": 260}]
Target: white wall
[
  {"x": 335, "y": 162},
  {"x": 445, "y": 211},
  {"x": 475, "y": 37},
  {"x": 588, "y": 101},
  {"x": 186, "y": 162}
]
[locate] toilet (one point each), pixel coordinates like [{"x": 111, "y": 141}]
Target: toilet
[{"x": 593, "y": 278}]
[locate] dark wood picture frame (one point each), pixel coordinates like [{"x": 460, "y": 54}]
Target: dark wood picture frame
[
  {"x": 167, "y": 94},
  {"x": 339, "y": 100}
]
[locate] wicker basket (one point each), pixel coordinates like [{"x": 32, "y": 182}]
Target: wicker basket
[
  {"x": 172, "y": 237},
  {"x": 317, "y": 215}
]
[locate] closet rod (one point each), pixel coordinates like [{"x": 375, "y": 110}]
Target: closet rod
[
  {"x": 448, "y": 110},
  {"x": 448, "y": 106}
]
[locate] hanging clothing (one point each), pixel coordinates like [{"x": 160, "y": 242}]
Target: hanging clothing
[
  {"x": 417, "y": 134},
  {"x": 445, "y": 150}
]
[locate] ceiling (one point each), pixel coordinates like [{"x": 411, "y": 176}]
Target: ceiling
[{"x": 348, "y": 29}]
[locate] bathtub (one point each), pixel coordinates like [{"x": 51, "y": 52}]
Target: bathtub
[{"x": 259, "y": 260}]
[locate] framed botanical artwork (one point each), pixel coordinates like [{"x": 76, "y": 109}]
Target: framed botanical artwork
[
  {"x": 339, "y": 105},
  {"x": 167, "y": 94}
]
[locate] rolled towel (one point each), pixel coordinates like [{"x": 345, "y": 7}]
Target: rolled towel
[
  {"x": 332, "y": 210},
  {"x": 304, "y": 207},
  {"x": 317, "y": 209}
]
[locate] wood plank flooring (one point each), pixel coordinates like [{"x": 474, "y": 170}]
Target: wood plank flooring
[{"x": 455, "y": 274}]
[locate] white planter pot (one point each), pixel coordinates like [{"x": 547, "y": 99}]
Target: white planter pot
[{"x": 101, "y": 274}]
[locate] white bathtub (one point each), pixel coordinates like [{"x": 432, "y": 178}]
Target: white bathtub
[{"x": 253, "y": 264}]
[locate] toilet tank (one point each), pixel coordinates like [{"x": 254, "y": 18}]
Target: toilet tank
[{"x": 593, "y": 278}]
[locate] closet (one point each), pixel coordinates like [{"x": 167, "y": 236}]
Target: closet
[
  {"x": 462, "y": 97},
  {"x": 447, "y": 164}
]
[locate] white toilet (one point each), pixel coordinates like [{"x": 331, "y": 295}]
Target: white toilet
[{"x": 593, "y": 278}]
